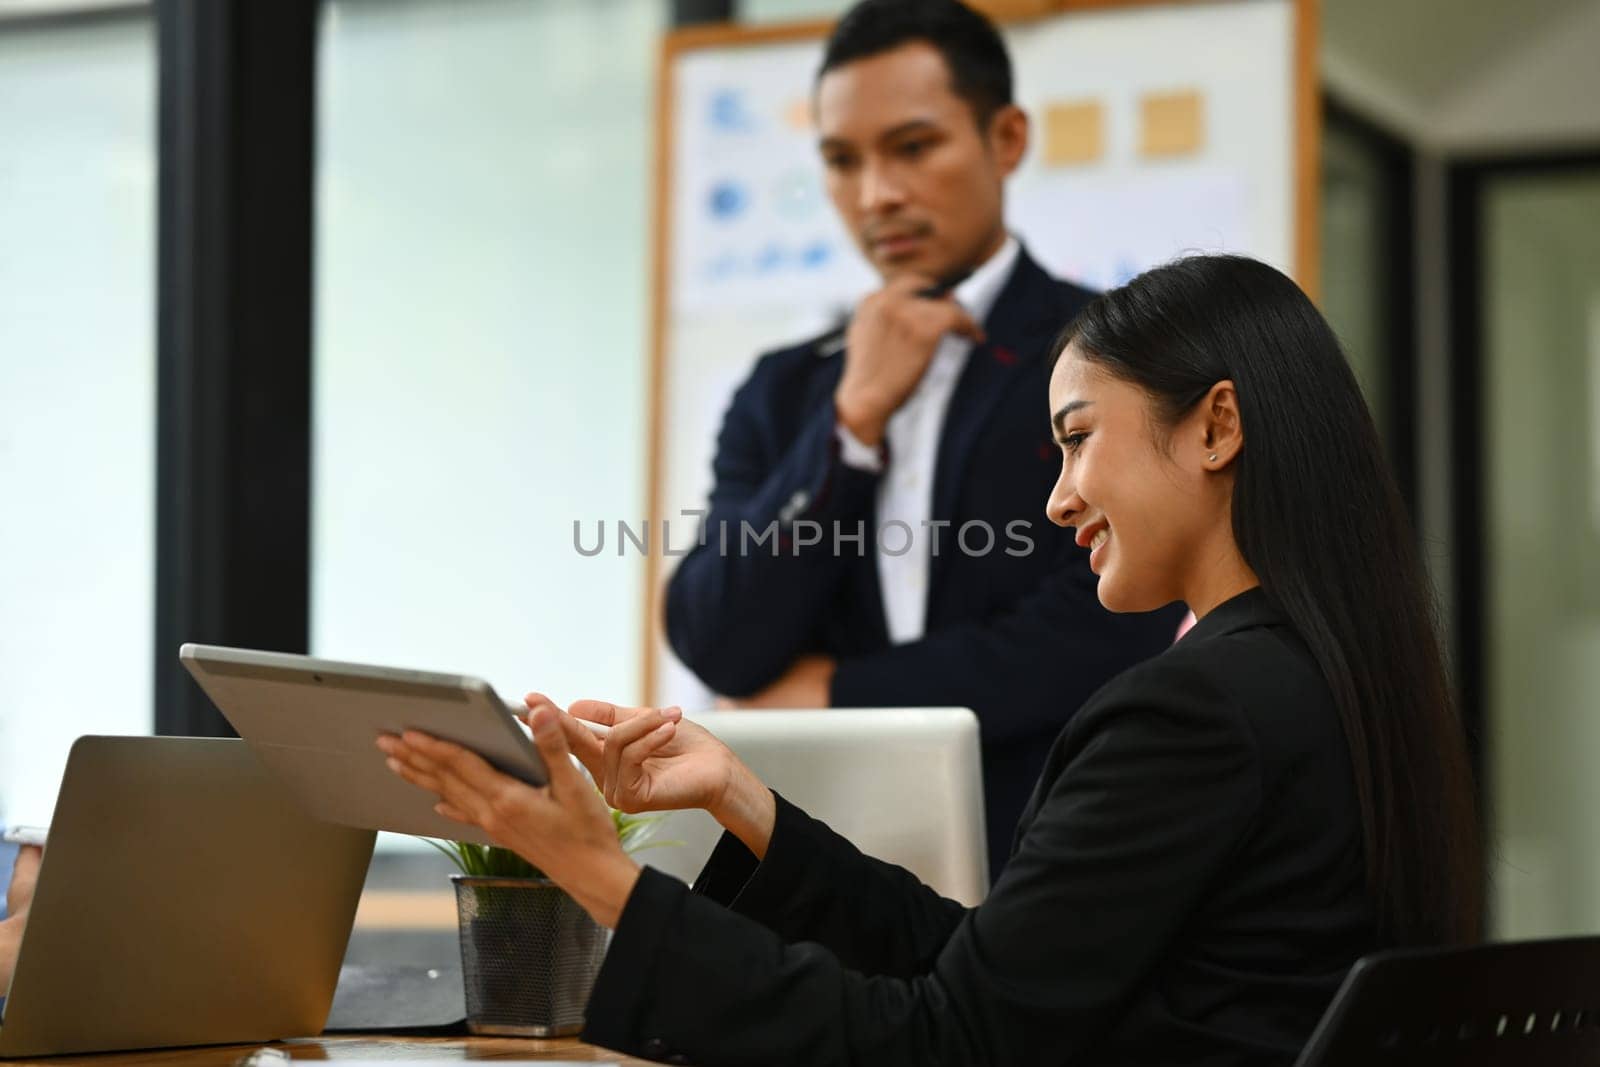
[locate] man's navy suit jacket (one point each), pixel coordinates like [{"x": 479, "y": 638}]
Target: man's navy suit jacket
[{"x": 1016, "y": 634}]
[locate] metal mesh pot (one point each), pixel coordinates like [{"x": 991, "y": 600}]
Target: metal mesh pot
[{"x": 529, "y": 956}]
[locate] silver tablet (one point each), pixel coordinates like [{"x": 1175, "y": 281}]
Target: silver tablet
[{"x": 313, "y": 722}]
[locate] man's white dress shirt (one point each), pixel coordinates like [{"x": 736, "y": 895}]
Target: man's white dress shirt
[{"x": 904, "y": 542}]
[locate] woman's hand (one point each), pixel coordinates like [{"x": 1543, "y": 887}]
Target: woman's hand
[
  {"x": 656, "y": 760},
  {"x": 24, "y": 874},
  {"x": 653, "y": 760},
  {"x": 19, "y": 898},
  {"x": 563, "y": 828}
]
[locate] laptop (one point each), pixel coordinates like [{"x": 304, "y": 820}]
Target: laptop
[
  {"x": 902, "y": 784},
  {"x": 184, "y": 899}
]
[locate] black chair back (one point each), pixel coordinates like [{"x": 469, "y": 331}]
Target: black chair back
[{"x": 1517, "y": 1004}]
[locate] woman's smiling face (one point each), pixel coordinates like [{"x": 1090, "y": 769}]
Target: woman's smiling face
[{"x": 1131, "y": 501}]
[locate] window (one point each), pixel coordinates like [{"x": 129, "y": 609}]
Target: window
[
  {"x": 77, "y": 393},
  {"x": 480, "y": 340}
]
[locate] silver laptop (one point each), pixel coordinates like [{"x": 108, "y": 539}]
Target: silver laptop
[
  {"x": 184, "y": 899},
  {"x": 902, "y": 784}
]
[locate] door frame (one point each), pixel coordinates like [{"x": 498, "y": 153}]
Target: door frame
[{"x": 1467, "y": 182}]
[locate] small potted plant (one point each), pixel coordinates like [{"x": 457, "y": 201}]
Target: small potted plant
[{"x": 529, "y": 953}]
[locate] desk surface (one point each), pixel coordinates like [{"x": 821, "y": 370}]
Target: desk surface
[{"x": 347, "y": 1048}]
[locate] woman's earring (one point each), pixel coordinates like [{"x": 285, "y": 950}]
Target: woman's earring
[{"x": 1212, "y": 457}]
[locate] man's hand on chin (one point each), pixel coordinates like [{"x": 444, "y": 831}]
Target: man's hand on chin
[{"x": 804, "y": 685}]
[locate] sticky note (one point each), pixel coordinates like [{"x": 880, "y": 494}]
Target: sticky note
[
  {"x": 1074, "y": 132},
  {"x": 1171, "y": 123},
  {"x": 797, "y": 114}
]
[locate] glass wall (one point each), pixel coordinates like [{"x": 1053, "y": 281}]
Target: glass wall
[
  {"x": 484, "y": 182},
  {"x": 1358, "y": 250},
  {"x": 1541, "y": 452},
  {"x": 77, "y": 394}
]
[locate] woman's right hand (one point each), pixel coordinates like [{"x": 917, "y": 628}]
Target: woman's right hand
[
  {"x": 653, "y": 759},
  {"x": 656, "y": 760}
]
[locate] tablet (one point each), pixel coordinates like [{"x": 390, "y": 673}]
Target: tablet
[{"x": 313, "y": 723}]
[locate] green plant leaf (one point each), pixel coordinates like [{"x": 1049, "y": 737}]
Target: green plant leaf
[{"x": 492, "y": 861}]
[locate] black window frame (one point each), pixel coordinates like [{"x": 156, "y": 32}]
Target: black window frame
[{"x": 1397, "y": 162}]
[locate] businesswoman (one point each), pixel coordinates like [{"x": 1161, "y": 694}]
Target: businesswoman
[{"x": 1218, "y": 833}]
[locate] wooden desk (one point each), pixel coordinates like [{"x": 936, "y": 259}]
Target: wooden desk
[{"x": 346, "y": 1048}]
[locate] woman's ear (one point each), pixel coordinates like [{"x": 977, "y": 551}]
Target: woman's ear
[{"x": 1220, "y": 428}]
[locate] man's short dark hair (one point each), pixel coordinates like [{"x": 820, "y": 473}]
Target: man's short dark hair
[{"x": 980, "y": 69}]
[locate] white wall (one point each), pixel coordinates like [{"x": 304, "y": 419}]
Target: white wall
[
  {"x": 1521, "y": 78},
  {"x": 788, "y": 10},
  {"x": 1547, "y": 92}
]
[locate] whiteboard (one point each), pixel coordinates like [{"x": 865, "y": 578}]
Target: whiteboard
[{"x": 750, "y": 256}]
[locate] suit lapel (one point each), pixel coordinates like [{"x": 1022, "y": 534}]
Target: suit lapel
[
  {"x": 821, "y": 385},
  {"x": 866, "y": 593},
  {"x": 1020, "y": 326}
]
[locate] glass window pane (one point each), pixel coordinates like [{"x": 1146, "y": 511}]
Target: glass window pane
[
  {"x": 1356, "y": 253},
  {"x": 485, "y": 173},
  {"x": 77, "y": 394},
  {"x": 1541, "y": 389}
]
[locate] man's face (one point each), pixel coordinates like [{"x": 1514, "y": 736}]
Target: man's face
[{"x": 914, "y": 179}]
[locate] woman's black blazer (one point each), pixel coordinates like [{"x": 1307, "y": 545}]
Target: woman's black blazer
[{"x": 1187, "y": 888}]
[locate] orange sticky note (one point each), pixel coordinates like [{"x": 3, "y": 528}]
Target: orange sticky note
[
  {"x": 797, "y": 115},
  {"x": 1171, "y": 124},
  {"x": 1074, "y": 132}
]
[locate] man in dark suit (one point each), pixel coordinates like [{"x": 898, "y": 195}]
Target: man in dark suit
[{"x": 873, "y": 534}]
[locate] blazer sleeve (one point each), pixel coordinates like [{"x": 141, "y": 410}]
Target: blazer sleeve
[
  {"x": 1017, "y": 670},
  {"x": 886, "y": 921},
  {"x": 1148, "y": 809},
  {"x": 754, "y": 551}
]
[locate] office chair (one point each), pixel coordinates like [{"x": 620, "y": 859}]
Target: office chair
[{"x": 1517, "y": 1004}]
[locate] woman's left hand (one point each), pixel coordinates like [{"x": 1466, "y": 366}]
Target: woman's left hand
[{"x": 563, "y": 828}]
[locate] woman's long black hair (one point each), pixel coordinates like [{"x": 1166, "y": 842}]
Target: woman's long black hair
[{"x": 1317, "y": 516}]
